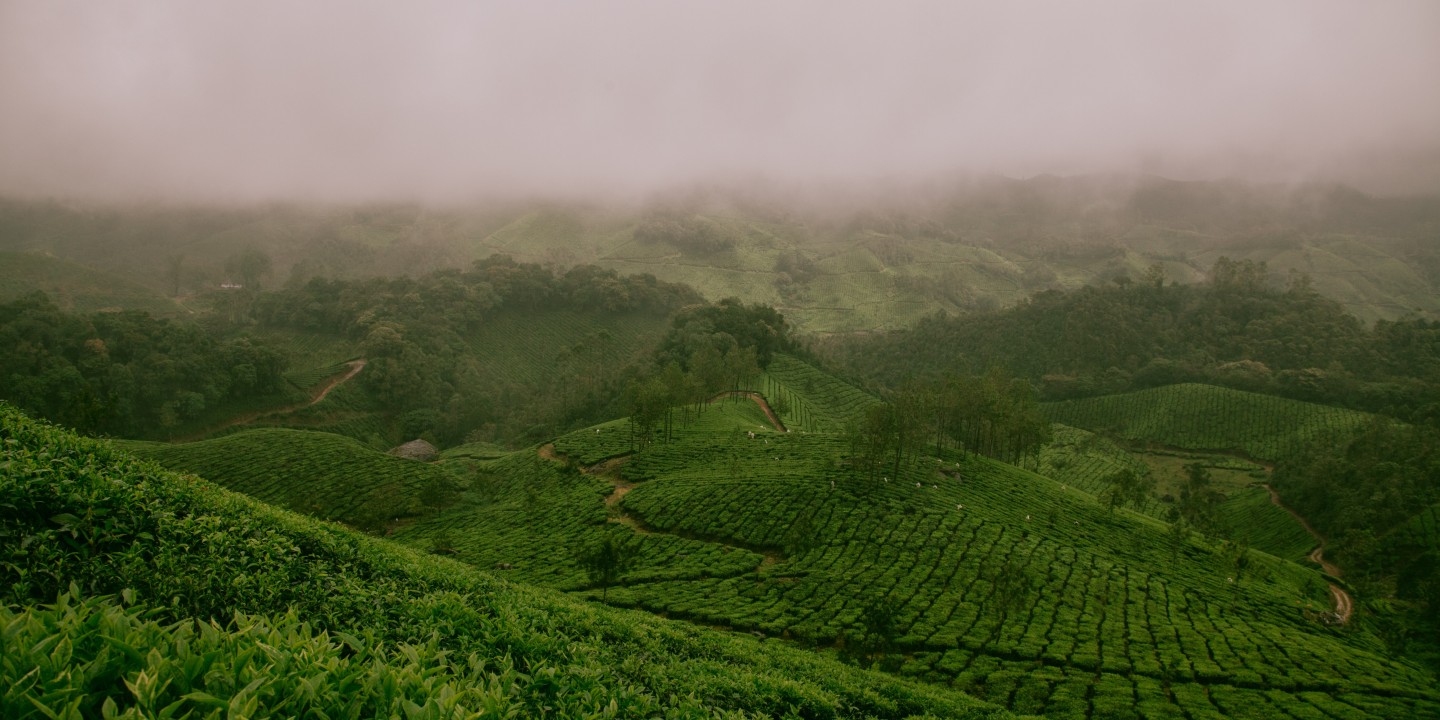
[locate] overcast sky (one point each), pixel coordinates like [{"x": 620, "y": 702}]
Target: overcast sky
[{"x": 258, "y": 100}]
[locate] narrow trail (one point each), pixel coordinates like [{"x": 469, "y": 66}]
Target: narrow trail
[
  {"x": 1344, "y": 605},
  {"x": 759, "y": 400},
  {"x": 609, "y": 471},
  {"x": 315, "y": 397}
]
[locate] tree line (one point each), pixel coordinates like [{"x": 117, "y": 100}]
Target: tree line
[
  {"x": 124, "y": 373},
  {"x": 994, "y": 415},
  {"x": 1244, "y": 328}
]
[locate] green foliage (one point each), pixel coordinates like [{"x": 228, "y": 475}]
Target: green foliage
[
  {"x": 228, "y": 606},
  {"x": 818, "y": 401},
  {"x": 319, "y": 474},
  {"x": 1357, "y": 492},
  {"x": 1128, "y": 487},
  {"x": 1205, "y": 417},
  {"x": 724, "y": 326},
  {"x": 1249, "y": 517},
  {"x": 126, "y": 373},
  {"x": 603, "y": 561},
  {"x": 77, "y": 288},
  {"x": 1237, "y": 331}
]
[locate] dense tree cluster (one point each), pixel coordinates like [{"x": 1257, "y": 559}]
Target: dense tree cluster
[
  {"x": 1239, "y": 330},
  {"x": 725, "y": 325},
  {"x": 993, "y": 415},
  {"x": 1362, "y": 497},
  {"x": 123, "y": 372},
  {"x": 1375, "y": 482},
  {"x": 687, "y": 233}
]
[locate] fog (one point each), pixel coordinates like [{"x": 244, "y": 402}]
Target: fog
[{"x": 446, "y": 102}]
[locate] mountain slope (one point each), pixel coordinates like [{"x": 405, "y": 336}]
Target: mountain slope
[{"x": 331, "y": 608}]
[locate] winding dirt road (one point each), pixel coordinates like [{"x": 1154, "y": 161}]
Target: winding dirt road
[
  {"x": 1344, "y": 605},
  {"x": 315, "y": 396}
]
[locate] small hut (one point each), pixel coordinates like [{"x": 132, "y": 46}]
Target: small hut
[{"x": 416, "y": 450}]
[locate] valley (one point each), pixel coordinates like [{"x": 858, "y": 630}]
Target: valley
[{"x": 1117, "y": 501}]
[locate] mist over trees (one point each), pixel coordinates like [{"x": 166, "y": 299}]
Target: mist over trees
[{"x": 1243, "y": 329}]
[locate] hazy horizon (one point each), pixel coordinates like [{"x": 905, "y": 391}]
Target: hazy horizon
[{"x": 448, "y": 102}]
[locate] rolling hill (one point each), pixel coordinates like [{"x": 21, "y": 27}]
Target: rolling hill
[
  {"x": 166, "y": 594},
  {"x": 78, "y": 288},
  {"x": 1206, "y": 417},
  {"x": 834, "y": 265},
  {"x": 958, "y": 574}
]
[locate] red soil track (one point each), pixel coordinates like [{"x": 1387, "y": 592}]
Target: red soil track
[{"x": 1344, "y": 605}]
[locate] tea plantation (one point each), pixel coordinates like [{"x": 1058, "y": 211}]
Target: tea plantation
[
  {"x": 132, "y": 591},
  {"x": 1207, "y": 417},
  {"x": 320, "y": 474},
  {"x": 959, "y": 573}
]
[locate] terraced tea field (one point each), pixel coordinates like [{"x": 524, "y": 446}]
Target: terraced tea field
[
  {"x": 1248, "y": 516},
  {"x": 1090, "y": 629},
  {"x": 1206, "y": 417},
  {"x": 814, "y": 401},
  {"x": 319, "y": 474},
  {"x": 187, "y": 599},
  {"x": 535, "y": 511},
  {"x": 1016, "y": 587},
  {"x": 1082, "y": 459},
  {"x": 961, "y": 572}
]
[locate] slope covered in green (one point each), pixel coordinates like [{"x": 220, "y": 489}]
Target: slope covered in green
[
  {"x": 320, "y": 474},
  {"x": 959, "y": 571},
  {"x": 77, "y": 288},
  {"x": 177, "y": 597},
  {"x": 1206, "y": 417},
  {"x": 833, "y": 264},
  {"x": 813, "y": 400}
]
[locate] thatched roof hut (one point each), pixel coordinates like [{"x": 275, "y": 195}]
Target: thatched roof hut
[{"x": 416, "y": 450}]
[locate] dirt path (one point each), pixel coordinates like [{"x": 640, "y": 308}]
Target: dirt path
[
  {"x": 759, "y": 400},
  {"x": 1344, "y": 605},
  {"x": 315, "y": 396},
  {"x": 609, "y": 471}
]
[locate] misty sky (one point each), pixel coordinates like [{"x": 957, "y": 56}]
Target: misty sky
[{"x": 447, "y": 101}]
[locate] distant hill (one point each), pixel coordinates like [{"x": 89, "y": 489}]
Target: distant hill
[
  {"x": 163, "y": 591},
  {"x": 78, "y": 288},
  {"x": 861, "y": 264},
  {"x": 1205, "y": 417}
]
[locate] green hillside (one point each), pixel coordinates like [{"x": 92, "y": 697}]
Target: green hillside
[
  {"x": 985, "y": 577},
  {"x": 859, "y": 264},
  {"x": 1248, "y": 516},
  {"x": 810, "y": 399},
  {"x": 77, "y": 288},
  {"x": 131, "y": 589},
  {"x": 1205, "y": 417},
  {"x": 319, "y": 474},
  {"x": 516, "y": 375}
]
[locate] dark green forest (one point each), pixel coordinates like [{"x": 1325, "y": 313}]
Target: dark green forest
[{"x": 119, "y": 373}]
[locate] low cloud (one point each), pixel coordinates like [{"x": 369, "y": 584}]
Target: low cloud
[{"x": 451, "y": 101}]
